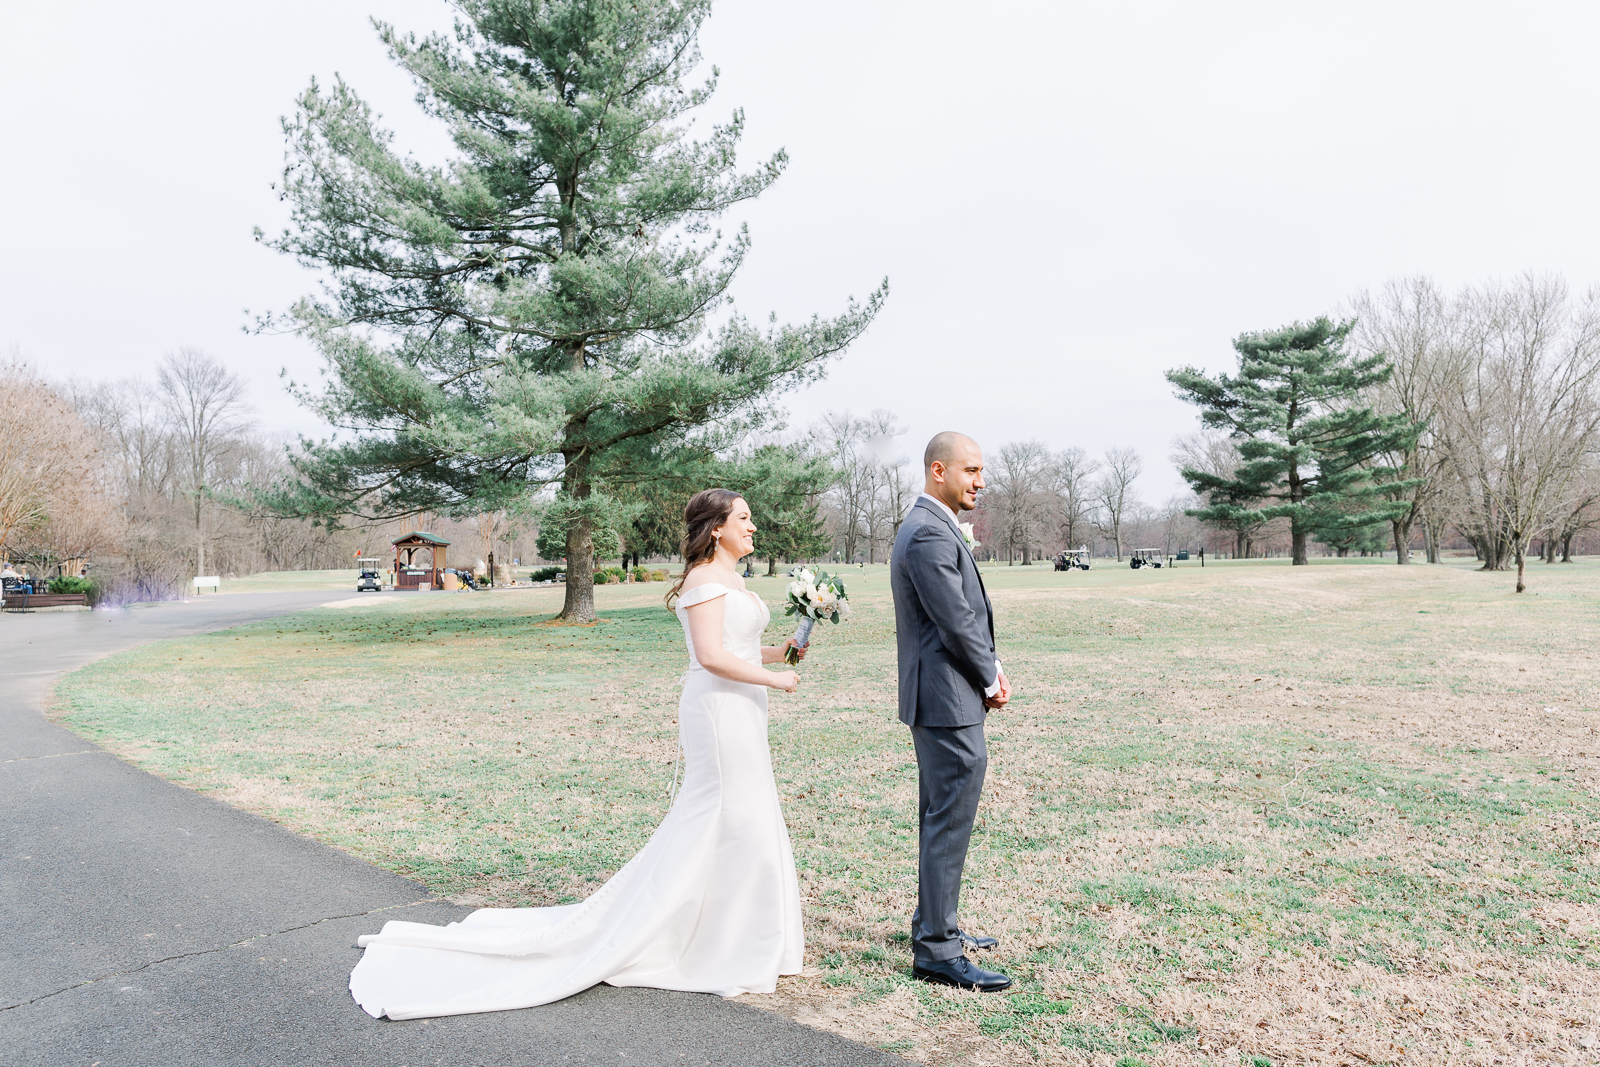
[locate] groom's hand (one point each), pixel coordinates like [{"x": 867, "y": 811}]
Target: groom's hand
[{"x": 1000, "y": 699}]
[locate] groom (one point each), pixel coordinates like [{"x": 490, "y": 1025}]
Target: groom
[{"x": 949, "y": 679}]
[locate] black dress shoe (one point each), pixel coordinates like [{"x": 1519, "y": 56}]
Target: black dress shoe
[
  {"x": 968, "y": 941},
  {"x": 961, "y": 973}
]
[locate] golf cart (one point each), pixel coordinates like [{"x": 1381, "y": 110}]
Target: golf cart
[
  {"x": 368, "y": 579},
  {"x": 1073, "y": 559},
  {"x": 1145, "y": 557}
]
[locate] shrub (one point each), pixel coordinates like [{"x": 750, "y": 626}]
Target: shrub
[
  {"x": 543, "y": 574},
  {"x": 641, "y": 574},
  {"x": 609, "y": 576},
  {"x": 658, "y": 576},
  {"x": 69, "y": 584}
]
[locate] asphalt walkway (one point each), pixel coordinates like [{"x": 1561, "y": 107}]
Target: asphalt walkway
[{"x": 141, "y": 923}]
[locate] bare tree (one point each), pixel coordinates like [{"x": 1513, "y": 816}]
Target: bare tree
[
  {"x": 1114, "y": 492},
  {"x": 902, "y": 484},
  {"x": 147, "y": 477},
  {"x": 1408, "y": 322},
  {"x": 1524, "y": 419},
  {"x": 492, "y": 528},
  {"x": 1581, "y": 513},
  {"x": 51, "y": 491},
  {"x": 1177, "y": 526},
  {"x": 1214, "y": 452},
  {"x": 872, "y": 494},
  {"x": 1017, "y": 494},
  {"x": 1071, "y": 497},
  {"x": 205, "y": 405}
]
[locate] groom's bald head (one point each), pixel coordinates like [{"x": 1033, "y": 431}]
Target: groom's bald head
[
  {"x": 954, "y": 465},
  {"x": 945, "y": 447}
]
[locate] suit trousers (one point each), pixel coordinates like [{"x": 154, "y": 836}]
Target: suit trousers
[{"x": 951, "y": 761}]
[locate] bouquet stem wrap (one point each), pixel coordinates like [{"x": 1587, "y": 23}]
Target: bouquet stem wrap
[{"x": 802, "y": 637}]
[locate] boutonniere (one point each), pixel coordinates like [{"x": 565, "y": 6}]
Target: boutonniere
[{"x": 969, "y": 535}]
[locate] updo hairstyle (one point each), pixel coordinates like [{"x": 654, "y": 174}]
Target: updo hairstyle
[{"x": 706, "y": 512}]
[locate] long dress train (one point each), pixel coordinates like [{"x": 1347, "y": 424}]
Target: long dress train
[{"x": 710, "y": 905}]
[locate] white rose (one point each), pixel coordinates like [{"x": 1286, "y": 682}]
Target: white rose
[
  {"x": 844, "y": 609},
  {"x": 969, "y": 534},
  {"x": 796, "y": 588},
  {"x": 812, "y": 592},
  {"x": 806, "y": 576}
]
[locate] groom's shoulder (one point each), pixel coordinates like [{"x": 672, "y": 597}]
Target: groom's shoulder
[
  {"x": 922, "y": 527},
  {"x": 919, "y": 517}
]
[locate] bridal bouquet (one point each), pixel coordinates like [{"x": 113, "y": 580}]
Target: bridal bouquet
[{"x": 813, "y": 597}]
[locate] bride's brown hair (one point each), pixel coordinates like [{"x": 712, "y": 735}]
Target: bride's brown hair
[{"x": 707, "y": 510}]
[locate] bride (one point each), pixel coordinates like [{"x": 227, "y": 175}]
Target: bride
[{"x": 711, "y": 904}]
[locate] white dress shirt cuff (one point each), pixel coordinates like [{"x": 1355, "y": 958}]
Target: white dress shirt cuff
[{"x": 994, "y": 687}]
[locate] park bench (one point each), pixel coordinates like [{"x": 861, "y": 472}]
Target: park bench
[{"x": 33, "y": 601}]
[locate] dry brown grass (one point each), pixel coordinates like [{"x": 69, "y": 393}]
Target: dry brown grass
[{"x": 1339, "y": 814}]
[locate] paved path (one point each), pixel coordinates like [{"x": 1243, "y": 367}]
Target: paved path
[{"x": 141, "y": 923}]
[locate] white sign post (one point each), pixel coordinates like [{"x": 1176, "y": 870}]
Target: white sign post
[{"x": 212, "y": 582}]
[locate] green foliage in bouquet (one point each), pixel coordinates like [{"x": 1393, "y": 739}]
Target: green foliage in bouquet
[
  {"x": 825, "y": 583},
  {"x": 814, "y": 597}
]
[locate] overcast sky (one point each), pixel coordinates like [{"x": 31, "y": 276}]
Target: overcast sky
[{"x": 1067, "y": 198}]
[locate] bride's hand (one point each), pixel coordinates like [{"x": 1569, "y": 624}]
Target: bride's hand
[
  {"x": 800, "y": 650},
  {"x": 788, "y": 681}
]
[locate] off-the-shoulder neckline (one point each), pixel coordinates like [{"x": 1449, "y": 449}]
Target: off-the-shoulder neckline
[{"x": 714, "y": 585}]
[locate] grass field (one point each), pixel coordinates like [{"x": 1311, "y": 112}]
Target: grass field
[
  {"x": 1248, "y": 814},
  {"x": 291, "y": 581}
]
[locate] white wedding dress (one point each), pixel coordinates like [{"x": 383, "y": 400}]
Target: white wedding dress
[{"x": 711, "y": 904}]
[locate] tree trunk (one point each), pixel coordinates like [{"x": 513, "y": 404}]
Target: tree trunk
[
  {"x": 1520, "y": 563},
  {"x": 579, "y": 604},
  {"x": 772, "y": 566},
  {"x": 1566, "y": 549},
  {"x": 1494, "y": 551},
  {"x": 1402, "y": 540},
  {"x": 199, "y": 534},
  {"x": 1298, "y": 539}
]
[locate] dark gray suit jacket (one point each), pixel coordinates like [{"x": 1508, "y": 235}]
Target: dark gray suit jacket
[{"x": 944, "y": 624}]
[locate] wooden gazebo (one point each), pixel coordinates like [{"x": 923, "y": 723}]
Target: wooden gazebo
[{"x": 407, "y": 573}]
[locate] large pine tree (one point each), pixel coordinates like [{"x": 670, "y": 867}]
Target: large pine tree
[
  {"x": 535, "y": 313},
  {"x": 1309, "y": 450}
]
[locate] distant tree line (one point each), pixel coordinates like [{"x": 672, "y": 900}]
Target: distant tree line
[
  {"x": 1419, "y": 417},
  {"x": 181, "y": 456},
  {"x": 144, "y": 484}
]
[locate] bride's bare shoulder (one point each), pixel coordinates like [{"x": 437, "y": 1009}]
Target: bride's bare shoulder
[{"x": 698, "y": 577}]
